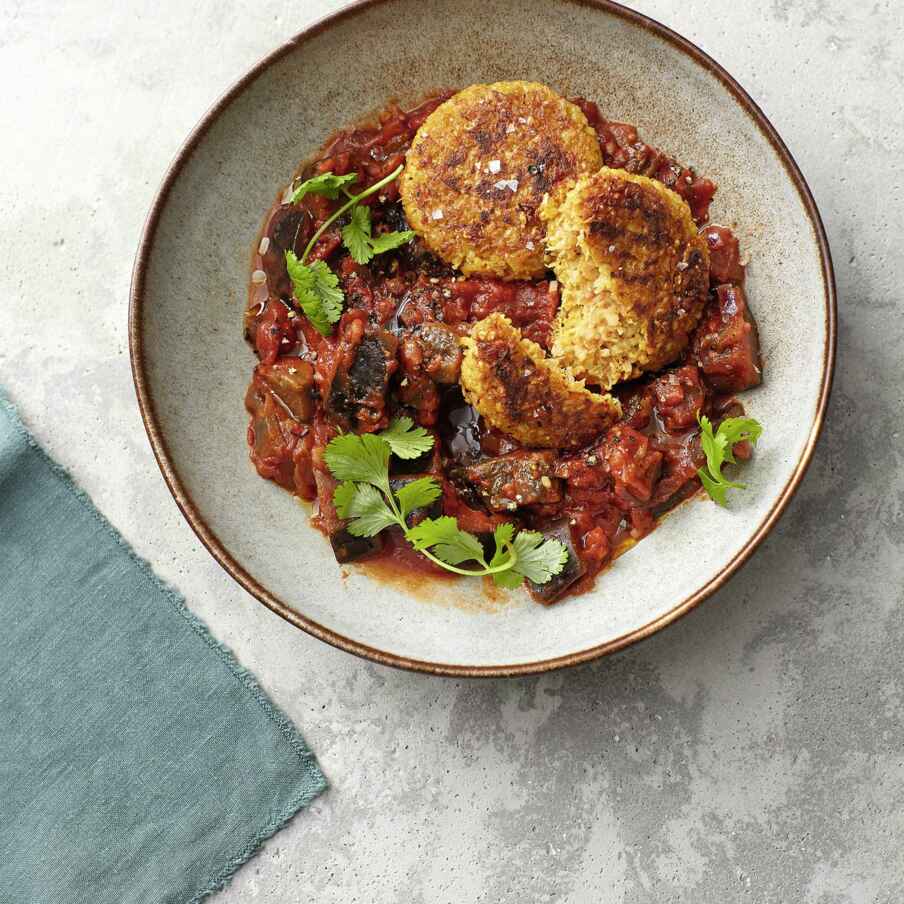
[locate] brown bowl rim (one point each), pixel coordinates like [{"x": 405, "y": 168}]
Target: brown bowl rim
[{"x": 219, "y": 552}]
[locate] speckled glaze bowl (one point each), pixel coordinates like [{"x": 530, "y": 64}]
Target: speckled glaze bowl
[{"x": 191, "y": 365}]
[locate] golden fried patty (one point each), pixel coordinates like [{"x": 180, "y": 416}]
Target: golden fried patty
[
  {"x": 633, "y": 274},
  {"x": 479, "y": 167},
  {"x": 508, "y": 379}
]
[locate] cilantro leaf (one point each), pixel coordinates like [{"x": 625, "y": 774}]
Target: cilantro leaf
[
  {"x": 368, "y": 511},
  {"x": 316, "y": 289},
  {"x": 417, "y": 494},
  {"x": 327, "y": 184},
  {"x": 388, "y": 241},
  {"x": 737, "y": 430},
  {"x": 538, "y": 558},
  {"x": 326, "y": 288},
  {"x": 718, "y": 449},
  {"x": 532, "y": 557},
  {"x": 356, "y": 235},
  {"x": 449, "y": 543},
  {"x": 502, "y": 537},
  {"x": 713, "y": 448},
  {"x": 717, "y": 487},
  {"x": 342, "y": 498},
  {"x": 315, "y": 286},
  {"x": 406, "y": 440},
  {"x": 432, "y": 531},
  {"x": 508, "y": 580},
  {"x": 363, "y": 459}
]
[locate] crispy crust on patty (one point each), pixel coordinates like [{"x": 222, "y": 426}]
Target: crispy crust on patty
[
  {"x": 479, "y": 167},
  {"x": 508, "y": 379},
  {"x": 633, "y": 272}
]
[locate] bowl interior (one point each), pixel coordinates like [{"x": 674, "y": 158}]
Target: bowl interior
[{"x": 195, "y": 364}]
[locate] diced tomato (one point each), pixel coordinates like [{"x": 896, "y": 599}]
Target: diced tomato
[
  {"x": 724, "y": 256},
  {"x": 276, "y": 332},
  {"x": 726, "y": 344},
  {"x": 632, "y": 462},
  {"x": 679, "y": 398}
]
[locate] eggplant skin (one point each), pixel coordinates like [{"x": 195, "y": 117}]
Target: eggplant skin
[
  {"x": 509, "y": 481},
  {"x": 555, "y": 587},
  {"x": 348, "y": 548},
  {"x": 356, "y": 399}
]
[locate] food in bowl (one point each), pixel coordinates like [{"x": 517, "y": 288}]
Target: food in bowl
[{"x": 497, "y": 337}]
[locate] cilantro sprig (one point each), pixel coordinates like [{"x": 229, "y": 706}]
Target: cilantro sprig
[
  {"x": 317, "y": 290},
  {"x": 718, "y": 446},
  {"x": 364, "y": 497},
  {"x": 356, "y": 236},
  {"x": 315, "y": 286},
  {"x": 327, "y": 184}
]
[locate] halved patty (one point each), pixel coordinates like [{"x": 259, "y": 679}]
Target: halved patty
[
  {"x": 511, "y": 382},
  {"x": 479, "y": 167},
  {"x": 633, "y": 275}
]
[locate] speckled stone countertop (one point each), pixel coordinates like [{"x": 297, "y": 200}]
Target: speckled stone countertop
[{"x": 752, "y": 752}]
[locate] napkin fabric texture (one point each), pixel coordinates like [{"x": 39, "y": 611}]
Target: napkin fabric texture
[{"x": 139, "y": 762}]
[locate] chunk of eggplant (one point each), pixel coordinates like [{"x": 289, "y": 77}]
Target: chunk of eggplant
[
  {"x": 358, "y": 393},
  {"x": 411, "y": 465},
  {"x": 288, "y": 230},
  {"x": 348, "y": 548},
  {"x": 432, "y": 349},
  {"x": 520, "y": 478},
  {"x": 555, "y": 587},
  {"x": 726, "y": 343},
  {"x": 291, "y": 380}
]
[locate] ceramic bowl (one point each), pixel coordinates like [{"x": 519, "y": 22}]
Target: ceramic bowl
[{"x": 191, "y": 364}]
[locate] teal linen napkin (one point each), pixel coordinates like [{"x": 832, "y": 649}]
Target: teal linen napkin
[{"x": 139, "y": 762}]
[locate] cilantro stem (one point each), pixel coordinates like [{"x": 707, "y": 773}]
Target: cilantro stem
[
  {"x": 387, "y": 492},
  {"x": 353, "y": 199},
  {"x": 467, "y": 572},
  {"x": 365, "y": 498}
]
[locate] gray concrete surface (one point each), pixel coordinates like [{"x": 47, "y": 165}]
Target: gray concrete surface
[{"x": 752, "y": 752}]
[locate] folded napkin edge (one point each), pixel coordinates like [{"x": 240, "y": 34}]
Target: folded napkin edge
[{"x": 313, "y": 787}]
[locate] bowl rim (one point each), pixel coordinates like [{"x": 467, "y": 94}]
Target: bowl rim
[{"x": 220, "y": 553}]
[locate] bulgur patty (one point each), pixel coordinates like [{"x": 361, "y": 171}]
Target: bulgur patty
[
  {"x": 633, "y": 273},
  {"x": 511, "y": 382},
  {"x": 481, "y": 164}
]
